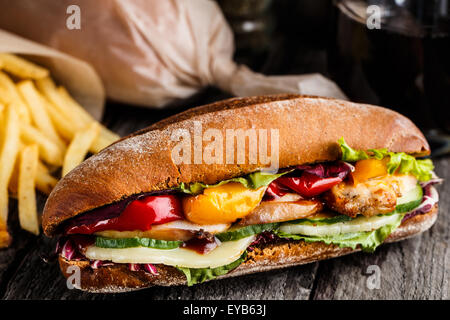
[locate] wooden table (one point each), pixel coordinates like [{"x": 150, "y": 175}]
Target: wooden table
[{"x": 418, "y": 268}]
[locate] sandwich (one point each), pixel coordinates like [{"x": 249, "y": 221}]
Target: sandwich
[{"x": 241, "y": 186}]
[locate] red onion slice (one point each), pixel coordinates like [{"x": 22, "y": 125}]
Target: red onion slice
[
  {"x": 150, "y": 269},
  {"x": 99, "y": 263},
  {"x": 134, "y": 267},
  {"x": 431, "y": 182},
  {"x": 329, "y": 169},
  {"x": 147, "y": 267},
  {"x": 68, "y": 250},
  {"x": 349, "y": 165},
  {"x": 429, "y": 200}
]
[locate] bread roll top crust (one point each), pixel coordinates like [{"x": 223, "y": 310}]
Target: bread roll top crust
[{"x": 308, "y": 130}]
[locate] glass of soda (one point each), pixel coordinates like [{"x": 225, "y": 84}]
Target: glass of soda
[{"x": 396, "y": 53}]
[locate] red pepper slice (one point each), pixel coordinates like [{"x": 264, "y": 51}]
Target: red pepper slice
[
  {"x": 140, "y": 214},
  {"x": 308, "y": 184},
  {"x": 275, "y": 190}
]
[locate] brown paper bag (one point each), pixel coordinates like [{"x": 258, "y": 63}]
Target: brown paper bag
[
  {"x": 77, "y": 76},
  {"x": 150, "y": 52}
]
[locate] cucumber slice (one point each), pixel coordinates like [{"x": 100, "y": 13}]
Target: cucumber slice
[
  {"x": 243, "y": 232},
  {"x": 410, "y": 200},
  {"x": 135, "y": 242},
  {"x": 368, "y": 241},
  {"x": 360, "y": 224},
  {"x": 322, "y": 221}
]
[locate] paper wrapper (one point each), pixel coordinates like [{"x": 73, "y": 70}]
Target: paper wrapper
[
  {"x": 151, "y": 52},
  {"x": 77, "y": 76}
]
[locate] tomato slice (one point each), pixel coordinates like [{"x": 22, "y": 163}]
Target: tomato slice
[
  {"x": 308, "y": 184},
  {"x": 140, "y": 214}
]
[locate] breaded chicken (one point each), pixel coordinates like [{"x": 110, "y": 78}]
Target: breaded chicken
[{"x": 372, "y": 197}]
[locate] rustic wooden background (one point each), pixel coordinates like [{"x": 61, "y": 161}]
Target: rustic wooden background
[{"x": 418, "y": 268}]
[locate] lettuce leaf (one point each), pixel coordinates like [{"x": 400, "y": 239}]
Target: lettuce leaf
[
  {"x": 368, "y": 241},
  {"x": 349, "y": 154},
  {"x": 252, "y": 181},
  {"x": 403, "y": 163},
  {"x": 199, "y": 275},
  {"x": 399, "y": 162}
]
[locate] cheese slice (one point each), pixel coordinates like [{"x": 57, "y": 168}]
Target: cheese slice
[{"x": 224, "y": 254}]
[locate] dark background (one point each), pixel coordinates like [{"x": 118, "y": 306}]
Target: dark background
[{"x": 405, "y": 65}]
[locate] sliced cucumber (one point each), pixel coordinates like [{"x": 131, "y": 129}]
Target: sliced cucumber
[
  {"x": 410, "y": 200},
  {"x": 135, "y": 242},
  {"x": 360, "y": 224},
  {"x": 322, "y": 221},
  {"x": 243, "y": 232},
  {"x": 368, "y": 240}
]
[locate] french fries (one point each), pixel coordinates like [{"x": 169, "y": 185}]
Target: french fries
[
  {"x": 5, "y": 238},
  {"x": 84, "y": 116},
  {"x": 64, "y": 126},
  {"x": 44, "y": 133},
  {"x": 21, "y": 67},
  {"x": 47, "y": 148},
  {"x": 9, "y": 94},
  {"x": 26, "y": 193},
  {"x": 38, "y": 111},
  {"x": 8, "y": 155},
  {"x": 71, "y": 111},
  {"x": 48, "y": 88},
  {"x": 45, "y": 182},
  {"x": 79, "y": 147},
  {"x": 2, "y": 108}
]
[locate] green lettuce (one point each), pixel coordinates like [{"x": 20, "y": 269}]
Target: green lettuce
[
  {"x": 368, "y": 241},
  {"x": 199, "y": 275},
  {"x": 252, "y": 181},
  {"x": 399, "y": 162}
]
